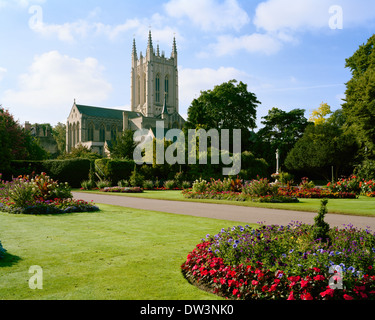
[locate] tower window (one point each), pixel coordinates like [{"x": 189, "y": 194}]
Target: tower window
[
  {"x": 157, "y": 89},
  {"x": 166, "y": 86}
]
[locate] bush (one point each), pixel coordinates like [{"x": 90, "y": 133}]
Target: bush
[
  {"x": 136, "y": 179},
  {"x": 88, "y": 185},
  {"x": 170, "y": 184},
  {"x": 123, "y": 183},
  {"x": 200, "y": 186},
  {"x": 114, "y": 170},
  {"x": 185, "y": 185},
  {"x": 103, "y": 184},
  {"x": 2, "y": 251},
  {"x": 260, "y": 188},
  {"x": 148, "y": 185}
]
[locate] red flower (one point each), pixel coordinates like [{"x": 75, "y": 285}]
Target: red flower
[
  {"x": 319, "y": 278},
  {"x": 235, "y": 291},
  {"x": 304, "y": 284},
  {"x": 307, "y": 296},
  {"x": 291, "y": 296},
  {"x": 254, "y": 283},
  {"x": 328, "y": 292},
  {"x": 347, "y": 297}
]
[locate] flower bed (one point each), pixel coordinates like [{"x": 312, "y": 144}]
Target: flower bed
[
  {"x": 236, "y": 190},
  {"x": 123, "y": 189},
  {"x": 41, "y": 206},
  {"x": 315, "y": 193},
  {"x": 40, "y": 195},
  {"x": 283, "y": 263}
]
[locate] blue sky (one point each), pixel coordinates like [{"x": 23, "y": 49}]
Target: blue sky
[{"x": 291, "y": 53}]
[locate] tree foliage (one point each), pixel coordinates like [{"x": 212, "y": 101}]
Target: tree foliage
[
  {"x": 321, "y": 147},
  {"x": 319, "y": 116},
  {"x": 16, "y": 143},
  {"x": 228, "y": 106},
  {"x": 281, "y": 131},
  {"x": 123, "y": 146},
  {"x": 359, "y": 106}
]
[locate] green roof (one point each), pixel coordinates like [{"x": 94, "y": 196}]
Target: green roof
[{"x": 106, "y": 113}]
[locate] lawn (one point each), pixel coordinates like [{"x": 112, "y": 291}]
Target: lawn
[
  {"x": 364, "y": 206},
  {"x": 114, "y": 254}
]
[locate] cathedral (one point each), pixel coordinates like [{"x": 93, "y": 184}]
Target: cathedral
[{"x": 154, "y": 97}]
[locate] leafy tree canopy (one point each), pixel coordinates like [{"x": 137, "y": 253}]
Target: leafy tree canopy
[
  {"x": 319, "y": 116},
  {"x": 227, "y": 106},
  {"x": 359, "y": 106}
]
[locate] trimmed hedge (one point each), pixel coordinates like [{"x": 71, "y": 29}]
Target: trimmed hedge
[
  {"x": 72, "y": 171},
  {"x": 114, "y": 170}
]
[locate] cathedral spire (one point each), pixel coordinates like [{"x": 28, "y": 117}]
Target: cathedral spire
[
  {"x": 150, "y": 40},
  {"x": 134, "y": 52}
]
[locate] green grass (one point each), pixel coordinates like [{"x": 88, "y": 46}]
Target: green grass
[
  {"x": 363, "y": 206},
  {"x": 114, "y": 254}
]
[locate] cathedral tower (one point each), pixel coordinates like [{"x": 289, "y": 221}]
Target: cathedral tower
[{"x": 154, "y": 81}]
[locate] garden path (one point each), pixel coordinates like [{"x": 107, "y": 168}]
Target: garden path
[{"x": 227, "y": 212}]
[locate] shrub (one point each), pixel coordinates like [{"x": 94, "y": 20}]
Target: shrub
[
  {"x": 260, "y": 188},
  {"x": 350, "y": 185},
  {"x": 114, "y": 170},
  {"x": 101, "y": 184},
  {"x": 123, "y": 183},
  {"x": 136, "y": 179},
  {"x": 170, "y": 184},
  {"x": 321, "y": 228},
  {"x": 2, "y": 251},
  {"x": 148, "y": 185},
  {"x": 306, "y": 184},
  {"x": 200, "y": 186},
  {"x": 88, "y": 185},
  {"x": 286, "y": 178},
  {"x": 185, "y": 185}
]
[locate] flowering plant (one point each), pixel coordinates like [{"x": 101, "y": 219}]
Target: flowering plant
[{"x": 276, "y": 262}]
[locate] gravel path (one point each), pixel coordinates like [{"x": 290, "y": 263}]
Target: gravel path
[{"x": 227, "y": 212}]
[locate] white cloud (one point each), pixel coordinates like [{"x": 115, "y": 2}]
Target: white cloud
[
  {"x": 3, "y": 71},
  {"x": 297, "y": 15},
  {"x": 253, "y": 43},
  {"x": 70, "y": 32},
  {"x": 193, "y": 81},
  {"x": 210, "y": 15},
  {"x": 47, "y": 91},
  {"x": 20, "y": 3}
]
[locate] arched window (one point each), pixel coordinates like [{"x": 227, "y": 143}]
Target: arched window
[
  {"x": 114, "y": 133},
  {"x": 166, "y": 86},
  {"x": 157, "y": 89},
  {"x": 78, "y": 135},
  {"x": 102, "y": 133},
  {"x": 144, "y": 88},
  {"x": 74, "y": 136},
  {"x": 139, "y": 89},
  {"x": 90, "y": 133}
]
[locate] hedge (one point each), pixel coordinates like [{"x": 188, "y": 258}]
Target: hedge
[
  {"x": 114, "y": 170},
  {"x": 73, "y": 171}
]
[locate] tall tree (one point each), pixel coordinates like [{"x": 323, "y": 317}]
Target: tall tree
[
  {"x": 319, "y": 115},
  {"x": 281, "y": 131},
  {"x": 321, "y": 147},
  {"x": 16, "y": 143},
  {"x": 59, "y": 134},
  {"x": 359, "y": 106},
  {"x": 123, "y": 146},
  {"x": 228, "y": 106}
]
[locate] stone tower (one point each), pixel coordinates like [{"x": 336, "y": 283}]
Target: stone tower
[{"x": 154, "y": 81}]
